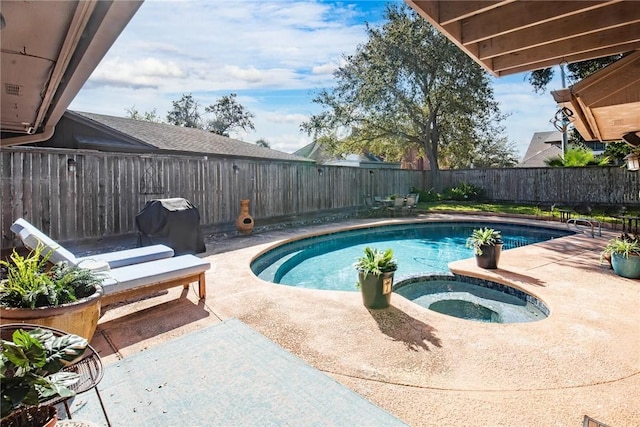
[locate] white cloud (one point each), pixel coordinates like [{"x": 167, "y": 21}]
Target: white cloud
[
  {"x": 528, "y": 112},
  {"x": 327, "y": 68},
  {"x": 139, "y": 73}
]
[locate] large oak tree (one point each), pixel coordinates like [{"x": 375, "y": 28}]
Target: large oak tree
[{"x": 409, "y": 87}]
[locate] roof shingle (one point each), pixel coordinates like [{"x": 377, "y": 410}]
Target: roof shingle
[{"x": 168, "y": 137}]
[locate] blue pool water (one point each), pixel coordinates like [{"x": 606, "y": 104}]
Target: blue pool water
[
  {"x": 472, "y": 299},
  {"x": 326, "y": 261}
]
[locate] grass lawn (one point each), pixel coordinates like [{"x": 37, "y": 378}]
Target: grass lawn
[{"x": 508, "y": 208}]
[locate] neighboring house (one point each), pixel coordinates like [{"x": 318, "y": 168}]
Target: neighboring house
[
  {"x": 547, "y": 145},
  {"x": 314, "y": 151},
  {"x": 78, "y": 130},
  {"x": 413, "y": 160}
]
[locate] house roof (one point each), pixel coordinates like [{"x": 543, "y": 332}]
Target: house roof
[
  {"x": 543, "y": 146},
  {"x": 315, "y": 151},
  {"x": 162, "y": 136}
]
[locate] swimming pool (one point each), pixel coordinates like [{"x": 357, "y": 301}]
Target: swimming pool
[{"x": 326, "y": 261}]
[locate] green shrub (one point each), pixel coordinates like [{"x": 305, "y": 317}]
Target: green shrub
[
  {"x": 426, "y": 195},
  {"x": 29, "y": 284},
  {"x": 464, "y": 191}
]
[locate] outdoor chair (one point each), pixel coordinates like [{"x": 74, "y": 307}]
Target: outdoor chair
[
  {"x": 373, "y": 208},
  {"x": 545, "y": 210},
  {"x": 617, "y": 212},
  {"x": 410, "y": 204},
  {"x": 88, "y": 367},
  {"x": 127, "y": 274},
  {"x": 398, "y": 206}
]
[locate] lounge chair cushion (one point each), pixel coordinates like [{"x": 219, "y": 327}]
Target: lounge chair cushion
[
  {"x": 31, "y": 237},
  {"x": 149, "y": 273},
  {"x": 131, "y": 256}
]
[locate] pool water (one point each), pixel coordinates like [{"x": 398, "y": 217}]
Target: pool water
[
  {"x": 473, "y": 299},
  {"x": 326, "y": 261}
]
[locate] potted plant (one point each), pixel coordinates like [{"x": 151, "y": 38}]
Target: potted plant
[
  {"x": 624, "y": 255},
  {"x": 487, "y": 246},
  {"x": 31, "y": 366},
  {"x": 63, "y": 297},
  {"x": 375, "y": 277}
]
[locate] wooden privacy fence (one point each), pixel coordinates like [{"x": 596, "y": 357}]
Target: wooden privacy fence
[
  {"x": 73, "y": 195},
  {"x": 564, "y": 186}
]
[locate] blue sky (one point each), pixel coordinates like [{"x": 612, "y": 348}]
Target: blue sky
[{"x": 273, "y": 54}]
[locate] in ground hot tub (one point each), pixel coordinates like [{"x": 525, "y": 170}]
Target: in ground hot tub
[{"x": 472, "y": 299}]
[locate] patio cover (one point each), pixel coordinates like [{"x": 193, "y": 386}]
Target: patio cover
[
  {"x": 606, "y": 105},
  {"x": 508, "y": 36}
]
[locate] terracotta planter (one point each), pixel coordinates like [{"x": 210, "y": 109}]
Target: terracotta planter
[
  {"x": 33, "y": 416},
  {"x": 376, "y": 290},
  {"x": 79, "y": 318},
  {"x": 244, "y": 223},
  {"x": 490, "y": 256}
]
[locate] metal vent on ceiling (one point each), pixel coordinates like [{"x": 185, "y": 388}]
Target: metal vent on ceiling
[{"x": 12, "y": 89}]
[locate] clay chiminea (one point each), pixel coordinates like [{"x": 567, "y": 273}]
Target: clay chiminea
[{"x": 244, "y": 223}]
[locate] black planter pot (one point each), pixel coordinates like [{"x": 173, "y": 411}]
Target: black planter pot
[
  {"x": 376, "y": 290},
  {"x": 490, "y": 256}
]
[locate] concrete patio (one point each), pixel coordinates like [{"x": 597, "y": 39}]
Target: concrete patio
[{"x": 425, "y": 368}]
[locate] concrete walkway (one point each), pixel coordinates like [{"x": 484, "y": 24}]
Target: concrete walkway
[{"x": 426, "y": 368}]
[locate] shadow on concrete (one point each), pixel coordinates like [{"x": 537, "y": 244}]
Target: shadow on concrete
[
  {"x": 129, "y": 329},
  {"x": 398, "y": 325}
]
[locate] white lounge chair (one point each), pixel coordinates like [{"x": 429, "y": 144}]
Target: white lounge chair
[
  {"x": 31, "y": 237},
  {"x": 129, "y": 273}
]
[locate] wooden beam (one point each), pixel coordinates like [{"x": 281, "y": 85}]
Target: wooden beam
[
  {"x": 592, "y": 42},
  {"x": 456, "y": 10},
  {"x": 591, "y": 121},
  {"x": 429, "y": 10},
  {"x": 606, "y": 72},
  {"x": 611, "y": 16},
  {"x": 606, "y": 89},
  {"x": 621, "y": 98},
  {"x": 521, "y": 68},
  {"x": 516, "y": 16}
]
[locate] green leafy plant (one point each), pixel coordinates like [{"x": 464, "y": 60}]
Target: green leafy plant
[
  {"x": 626, "y": 245},
  {"x": 426, "y": 195},
  {"x": 31, "y": 367},
  {"x": 376, "y": 261},
  {"x": 578, "y": 156},
  {"x": 483, "y": 237},
  {"x": 464, "y": 191},
  {"x": 30, "y": 285}
]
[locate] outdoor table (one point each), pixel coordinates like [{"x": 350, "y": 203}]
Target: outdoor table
[{"x": 565, "y": 214}]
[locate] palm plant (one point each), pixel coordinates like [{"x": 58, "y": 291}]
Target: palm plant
[
  {"x": 483, "y": 237},
  {"x": 625, "y": 246},
  {"x": 376, "y": 261},
  {"x": 30, "y": 285}
]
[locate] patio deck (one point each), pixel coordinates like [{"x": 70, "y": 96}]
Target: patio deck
[{"x": 423, "y": 367}]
